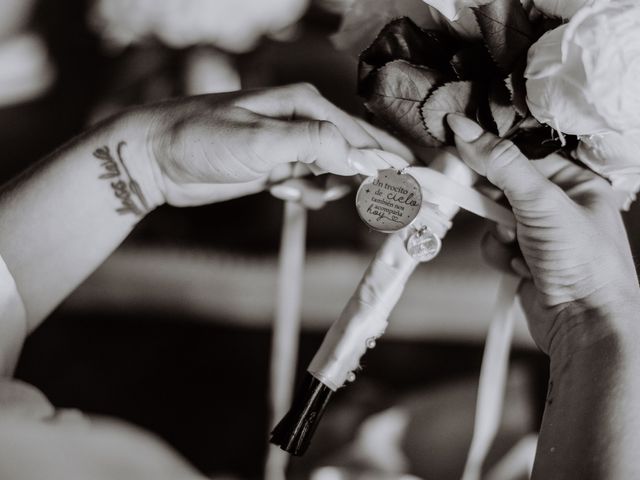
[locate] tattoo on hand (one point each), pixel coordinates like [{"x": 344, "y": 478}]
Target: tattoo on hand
[{"x": 123, "y": 185}]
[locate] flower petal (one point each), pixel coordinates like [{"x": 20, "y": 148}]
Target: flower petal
[
  {"x": 615, "y": 157},
  {"x": 561, "y": 8}
]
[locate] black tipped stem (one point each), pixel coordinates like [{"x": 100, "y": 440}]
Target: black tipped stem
[{"x": 294, "y": 432}]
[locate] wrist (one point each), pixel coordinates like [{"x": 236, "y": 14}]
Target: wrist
[
  {"x": 584, "y": 330},
  {"x": 129, "y": 135}
]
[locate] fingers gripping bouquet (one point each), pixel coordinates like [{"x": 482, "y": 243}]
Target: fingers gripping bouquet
[{"x": 552, "y": 76}]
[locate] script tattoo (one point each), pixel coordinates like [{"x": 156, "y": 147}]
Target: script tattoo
[{"x": 123, "y": 185}]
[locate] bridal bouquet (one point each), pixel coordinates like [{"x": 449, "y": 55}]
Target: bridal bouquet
[{"x": 552, "y": 76}]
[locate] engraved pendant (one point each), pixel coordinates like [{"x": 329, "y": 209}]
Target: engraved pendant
[
  {"x": 424, "y": 245},
  {"x": 390, "y": 201}
]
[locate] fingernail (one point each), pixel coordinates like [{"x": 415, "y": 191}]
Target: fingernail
[
  {"x": 316, "y": 170},
  {"x": 464, "y": 128},
  {"x": 334, "y": 193},
  {"x": 505, "y": 234},
  {"x": 286, "y": 192},
  {"x": 520, "y": 267},
  {"x": 358, "y": 161}
]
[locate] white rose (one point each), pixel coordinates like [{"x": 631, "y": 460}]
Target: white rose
[
  {"x": 453, "y": 9},
  {"x": 563, "y": 8},
  {"x": 582, "y": 77},
  {"x": 617, "y": 158}
]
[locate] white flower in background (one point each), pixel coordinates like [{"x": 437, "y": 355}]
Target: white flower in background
[
  {"x": 563, "y": 8},
  {"x": 582, "y": 79},
  {"x": 453, "y": 8},
  {"x": 15, "y": 16},
  {"x": 459, "y": 11},
  {"x": 232, "y": 25},
  {"x": 208, "y": 70}
]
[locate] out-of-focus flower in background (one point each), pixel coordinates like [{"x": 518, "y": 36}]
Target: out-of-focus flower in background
[
  {"x": 15, "y": 16},
  {"x": 25, "y": 68},
  {"x": 214, "y": 29},
  {"x": 231, "y": 25}
]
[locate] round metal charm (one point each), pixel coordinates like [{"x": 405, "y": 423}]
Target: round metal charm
[
  {"x": 424, "y": 245},
  {"x": 390, "y": 201}
]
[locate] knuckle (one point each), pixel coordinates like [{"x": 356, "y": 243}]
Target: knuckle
[
  {"x": 323, "y": 132},
  {"x": 307, "y": 88},
  {"x": 506, "y": 162},
  {"x": 504, "y": 154}
]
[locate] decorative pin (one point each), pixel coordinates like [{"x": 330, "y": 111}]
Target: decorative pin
[
  {"x": 390, "y": 201},
  {"x": 424, "y": 245}
]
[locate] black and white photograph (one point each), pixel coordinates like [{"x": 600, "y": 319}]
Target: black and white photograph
[{"x": 319, "y": 240}]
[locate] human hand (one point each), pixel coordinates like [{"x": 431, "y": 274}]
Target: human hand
[
  {"x": 580, "y": 282},
  {"x": 215, "y": 147}
]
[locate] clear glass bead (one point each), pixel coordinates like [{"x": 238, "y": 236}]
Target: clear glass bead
[{"x": 424, "y": 245}]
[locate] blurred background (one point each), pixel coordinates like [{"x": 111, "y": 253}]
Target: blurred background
[{"x": 172, "y": 333}]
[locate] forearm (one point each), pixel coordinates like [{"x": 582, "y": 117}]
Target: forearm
[
  {"x": 61, "y": 219},
  {"x": 591, "y": 423}
]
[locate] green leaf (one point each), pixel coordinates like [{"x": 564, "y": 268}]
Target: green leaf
[
  {"x": 402, "y": 39},
  {"x": 454, "y": 97},
  {"x": 502, "y": 110},
  {"x": 396, "y": 92},
  {"x": 506, "y": 30}
]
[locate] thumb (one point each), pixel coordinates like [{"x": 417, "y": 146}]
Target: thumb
[{"x": 500, "y": 161}]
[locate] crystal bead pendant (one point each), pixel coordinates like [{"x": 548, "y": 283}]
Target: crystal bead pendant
[{"x": 423, "y": 245}]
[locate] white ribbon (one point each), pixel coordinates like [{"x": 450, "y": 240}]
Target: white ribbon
[
  {"x": 493, "y": 378},
  {"x": 365, "y": 317}
]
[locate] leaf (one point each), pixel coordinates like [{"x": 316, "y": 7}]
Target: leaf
[
  {"x": 502, "y": 110},
  {"x": 506, "y": 30},
  {"x": 517, "y": 85},
  {"x": 402, "y": 39},
  {"x": 396, "y": 92},
  {"x": 453, "y": 97}
]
